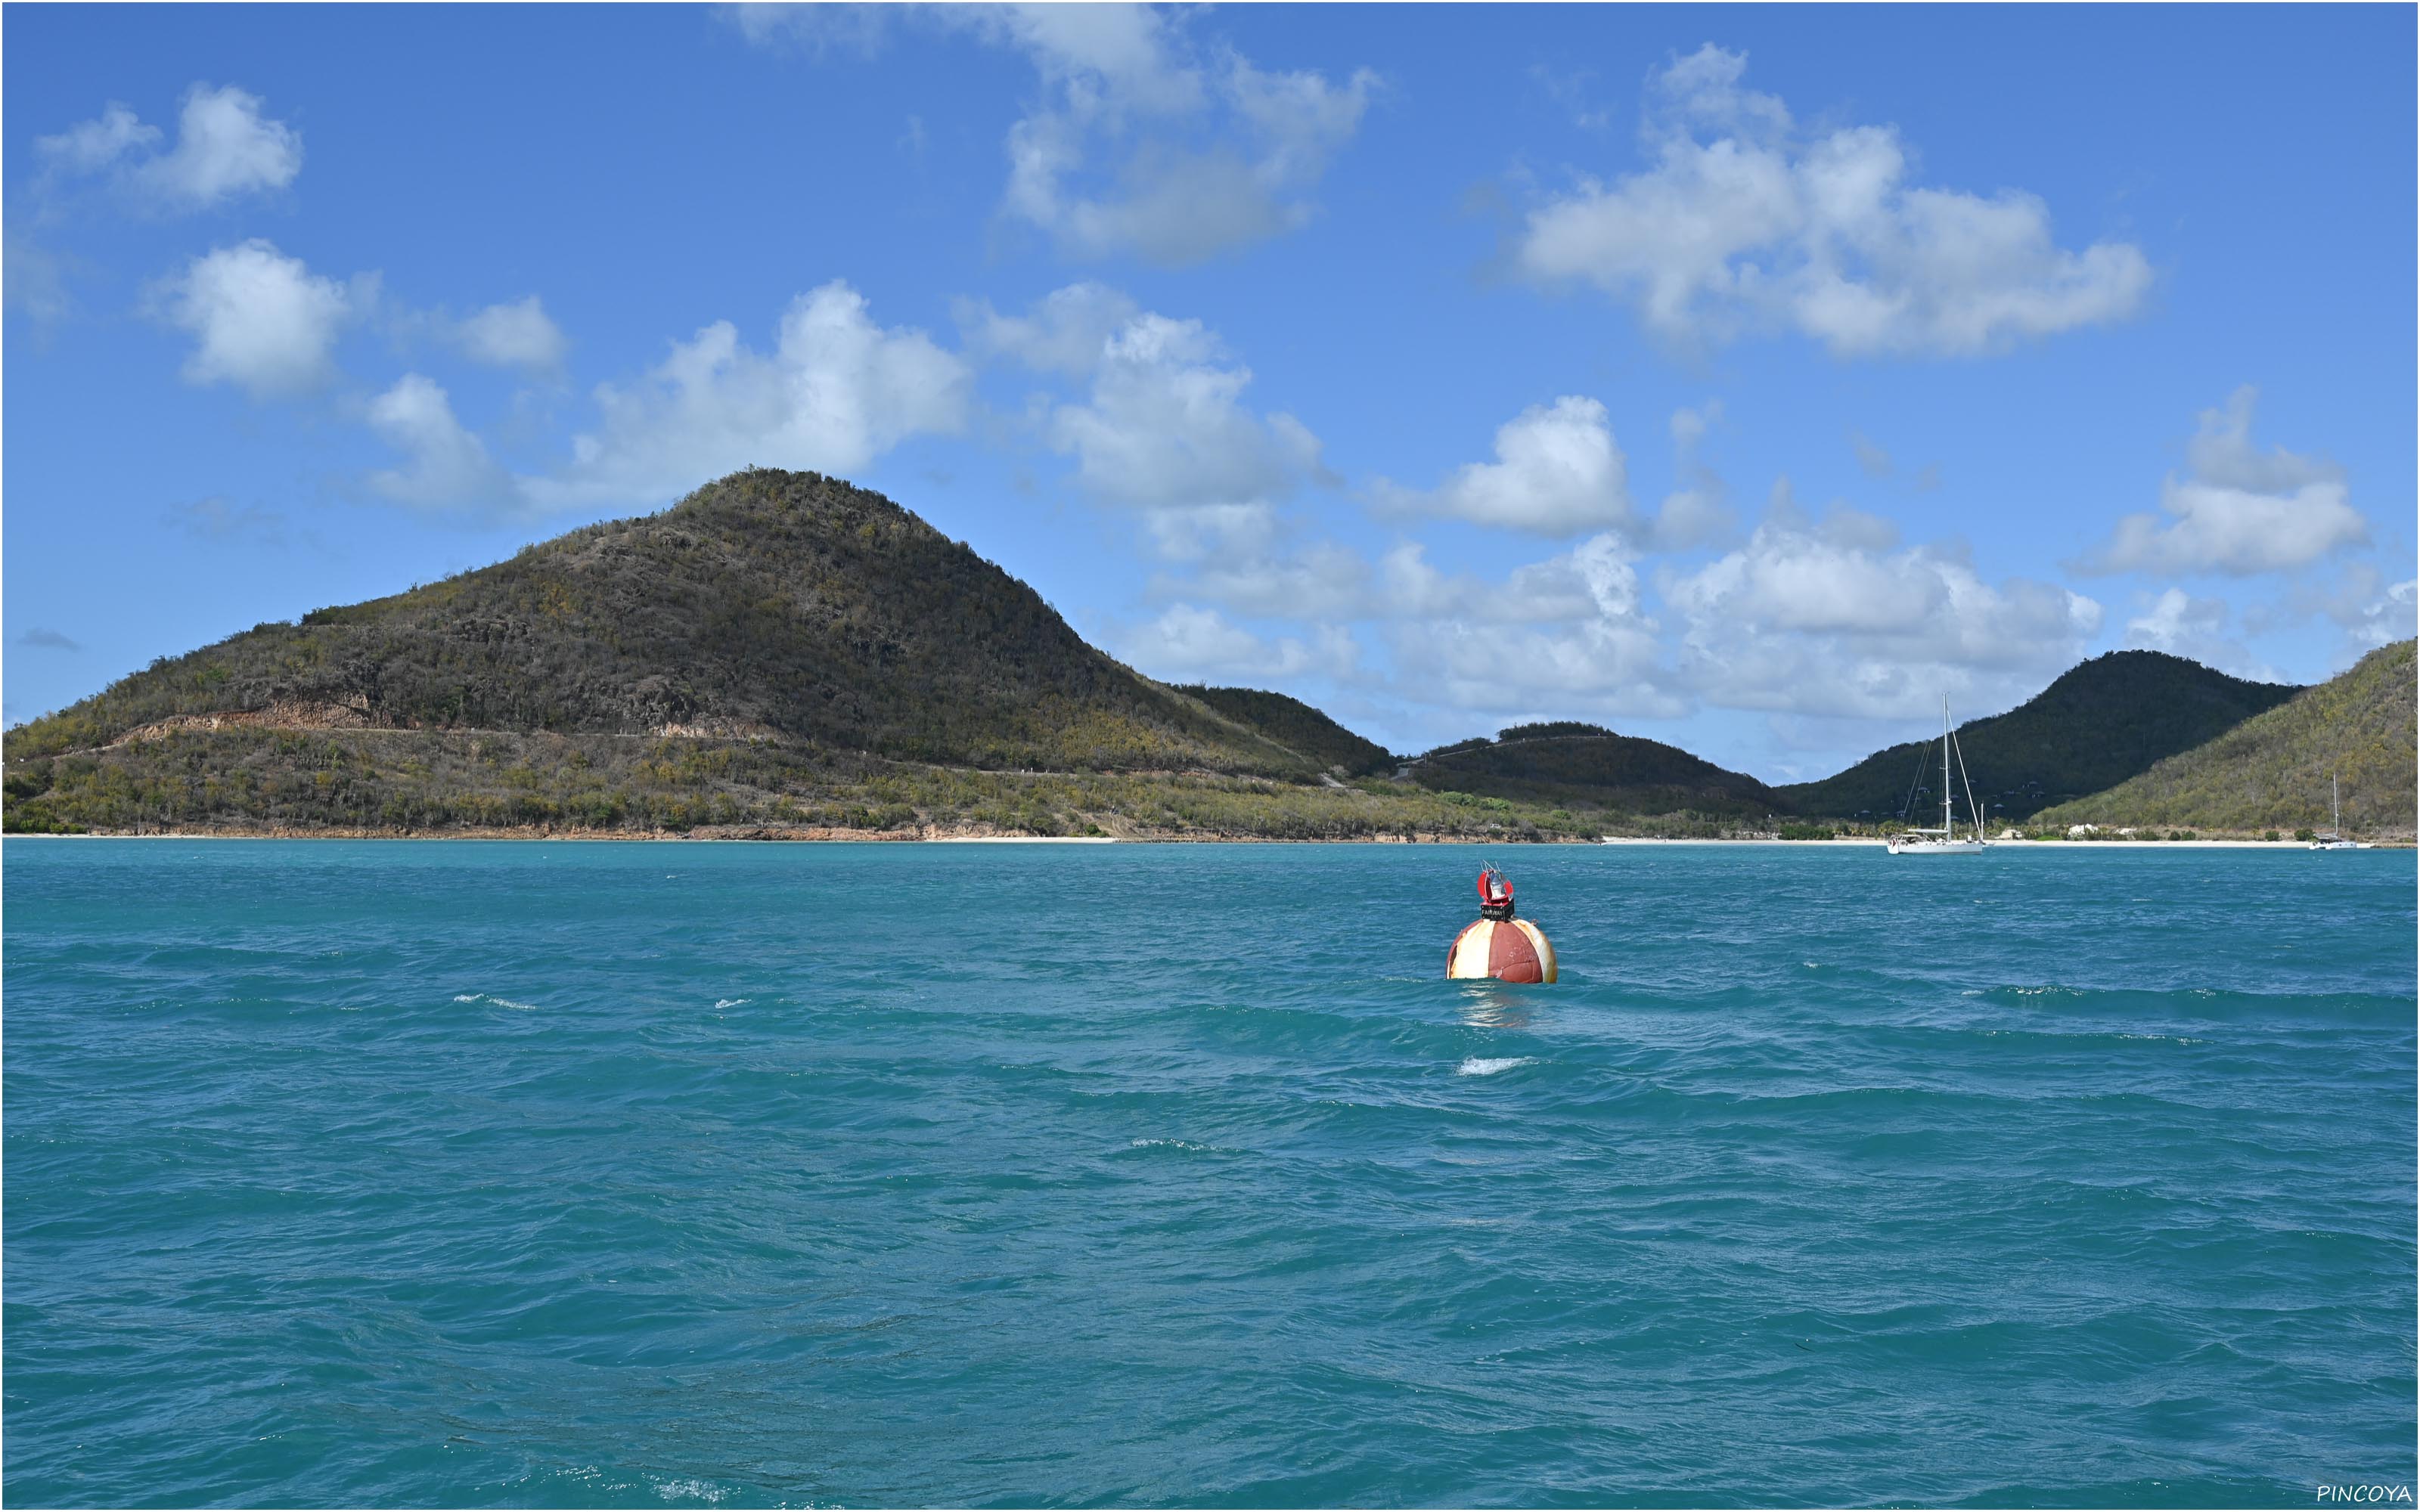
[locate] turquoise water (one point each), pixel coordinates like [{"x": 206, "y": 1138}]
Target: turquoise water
[{"x": 642, "y": 1173}]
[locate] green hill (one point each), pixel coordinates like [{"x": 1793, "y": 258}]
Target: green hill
[
  {"x": 2099, "y": 724},
  {"x": 1296, "y": 725},
  {"x": 768, "y": 604},
  {"x": 2272, "y": 771},
  {"x": 1588, "y": 766},
  {"x": 780, "y": 653}
]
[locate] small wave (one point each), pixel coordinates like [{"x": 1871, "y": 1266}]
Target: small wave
[
  {"x": 689, "y": 1490},
  {"x": 500, "y": 1002},
  {"x": 1479, "y": 1065},
  {"x": 721, "y": 1003}
]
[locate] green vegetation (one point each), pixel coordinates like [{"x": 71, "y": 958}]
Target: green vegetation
[
  {"x": 1298, "y": 727},
  {"x": 1586, "y": 766},
  {"x": 2098, "y": 725},
  {"x": 2271, "y": 772},
  {"x": 1551, "y": 730},
  {"x": 433, "y": 781},
  {"x": 770, "y": 603},
  {"x": 782, "y": 653},
  {"x": 779, "y": 653}
]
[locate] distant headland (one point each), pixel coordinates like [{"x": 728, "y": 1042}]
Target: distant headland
[{"x": 785, "y": 656}]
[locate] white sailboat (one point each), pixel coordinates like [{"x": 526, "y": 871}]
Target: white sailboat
[
  {"x": 1945, "y": 841},
  {"x": 2331, "y": 839}
]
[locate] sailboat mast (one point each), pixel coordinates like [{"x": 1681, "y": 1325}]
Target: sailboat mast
[
  {"x": 1947, "y": 832},
  {"x": 2335, "y": 806}
]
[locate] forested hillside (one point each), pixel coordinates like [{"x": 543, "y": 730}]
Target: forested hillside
[
  {"x": 2099, "y": 723},
  {"x": 1296, "y": 725},
  {"x": 1571, "y": 765},
  {"x": 770, "y": 604},
  {"x": 2272, "y": 771}
]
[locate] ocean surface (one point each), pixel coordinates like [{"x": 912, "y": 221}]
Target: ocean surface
[{"x": 447, "y": 1173}]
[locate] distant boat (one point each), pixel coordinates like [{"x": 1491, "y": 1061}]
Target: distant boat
[
  {"x": 1921, "y": 841},
  {"x": 2331, "y": 839}
]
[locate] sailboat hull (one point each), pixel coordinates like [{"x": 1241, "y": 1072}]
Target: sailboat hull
[{"x": 1921, "y": 841}]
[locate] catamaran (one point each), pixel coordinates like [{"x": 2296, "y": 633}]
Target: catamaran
[
  {"x": 1945, "y": 841},
  {"x": 2332, "y": 839}
]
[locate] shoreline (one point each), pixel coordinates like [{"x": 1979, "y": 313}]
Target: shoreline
[{"x": 931, "y": 835}]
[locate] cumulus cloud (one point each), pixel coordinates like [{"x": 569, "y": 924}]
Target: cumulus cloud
[
  {"x": 225, "y": 147},
  {"x": 1067, "y": 332},
  {"x": 517, "y": 334},
  {"x": 1744, "y": 221},
  {"x": 1557, "y": 472},
  {"x": 1143, "y": 141},
  {"x": 1208, "y": 156},
  {"x": 446, "y": 467},
  {"x": 1697, "y": 512},
  {"x": 836, "y": 392},
  {"x": 2238, "y": 510},
  {"x": 1832, "y": 617},
  {"x": 1192, "y": 644},
  {"x": 1169, "y": 200},
  {"x": 1164, "y": 430},
  {"x": 2183, "y": 625},
  {"x": 91, "y": 146},
  {"x": 1603, "y": 657},
  {"x": 2364, "y": 603},
  {"x": 261, "y": 320}
]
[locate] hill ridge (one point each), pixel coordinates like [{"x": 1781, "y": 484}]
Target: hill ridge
[
  {"x": 2100, "y": 723},
  {"x": 2270, "y": 771}
]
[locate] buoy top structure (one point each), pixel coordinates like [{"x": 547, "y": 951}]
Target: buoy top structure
[{"x": 1500, "y": 945}]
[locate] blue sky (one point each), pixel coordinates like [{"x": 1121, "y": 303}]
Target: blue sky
[{"x": 1747, "y": 379}]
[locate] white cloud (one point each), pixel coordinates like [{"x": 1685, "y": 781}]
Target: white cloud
[
  {"x": 517, "y": 334},
  {"x": 1557, "y": 472},
  {"x": 1143, "y": 142},
  {"x": 260, "y": 320},
  {"x": 1164, "y": 429},
  {"x": 446, "y": 465},
  {"x": 2183, "y": 625},
  {"x": 2369, "y": 609},
  {"x": 1174, "y": 203},
  {"x": 836, "y": 392},
  {"x": 1830, "y": 618},
  {"x": 1067, "y": 332},
  {"x": 2236, "y": 511},
  {"x": 1742, "y": 222},
  {"x": 1695, "y": 512},
  {"x": 1606, "y": 658},
  {"x": 224, "y": 146},
  {"x": 1191, "y": 644},
  {"x": 2239, "y": 511},
  {"x": 2394, "y": 614},
  {"x": 91, "y": 146}
]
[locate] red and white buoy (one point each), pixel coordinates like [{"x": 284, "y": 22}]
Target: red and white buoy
[{"x": 1500, "y": 945}]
